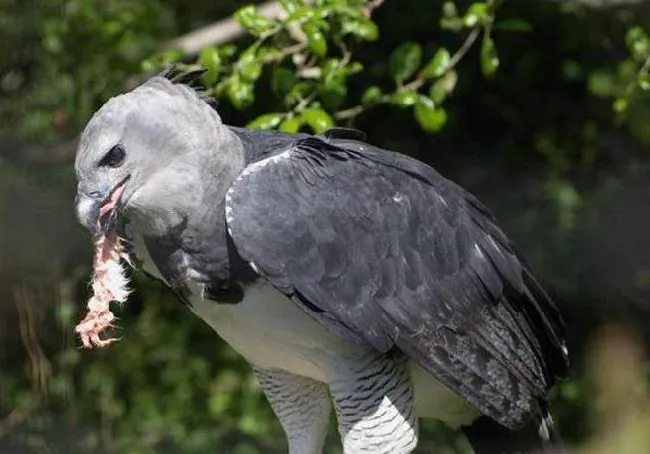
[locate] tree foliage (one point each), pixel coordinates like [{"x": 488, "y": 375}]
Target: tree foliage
[{"x": 309, "y": 57}]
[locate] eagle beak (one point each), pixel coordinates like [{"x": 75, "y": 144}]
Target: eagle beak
[{"x": 97, "y": 211}]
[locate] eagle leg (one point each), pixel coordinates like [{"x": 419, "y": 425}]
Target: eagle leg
[
  {"x": 373, "y": 398},
  {"x": 301, "y": 404}
]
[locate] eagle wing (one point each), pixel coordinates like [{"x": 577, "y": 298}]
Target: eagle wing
[{"x": 384, "y": 251}]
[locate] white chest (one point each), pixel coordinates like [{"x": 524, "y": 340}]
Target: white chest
[
  {"x": 271, "y": 331},
  {"x": 267, "y": 328}
]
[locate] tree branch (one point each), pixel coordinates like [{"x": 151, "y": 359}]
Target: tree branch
[{"x": 223, "y": 31}]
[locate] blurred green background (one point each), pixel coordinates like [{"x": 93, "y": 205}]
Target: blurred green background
[{"x": 540, "y": 108}]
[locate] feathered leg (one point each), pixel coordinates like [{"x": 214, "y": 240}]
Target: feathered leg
[
  {"x": 301, "y": 404},
  {"x": 373, "y": 398}
]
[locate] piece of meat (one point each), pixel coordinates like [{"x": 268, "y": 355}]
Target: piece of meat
[{"x": 109, "y": 283}]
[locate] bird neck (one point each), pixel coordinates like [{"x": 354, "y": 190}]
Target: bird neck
[{"x": 187, "y": 220}]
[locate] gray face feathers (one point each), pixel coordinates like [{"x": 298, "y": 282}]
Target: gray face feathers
[{"x": 147, "y": 145}]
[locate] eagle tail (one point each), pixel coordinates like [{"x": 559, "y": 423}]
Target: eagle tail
[{"x": 486, "y": 436}]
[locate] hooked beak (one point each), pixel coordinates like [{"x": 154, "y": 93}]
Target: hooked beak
[{"x": 98, "y": 212}]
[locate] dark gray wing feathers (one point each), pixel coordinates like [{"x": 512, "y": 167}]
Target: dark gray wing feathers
[{"x": 384, "y": 251}]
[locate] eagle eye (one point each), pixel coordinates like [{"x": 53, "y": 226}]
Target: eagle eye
[{"x": 114, "y": 157}]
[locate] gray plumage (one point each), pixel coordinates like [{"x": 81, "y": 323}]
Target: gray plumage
[{"x": 331, "y": 264}]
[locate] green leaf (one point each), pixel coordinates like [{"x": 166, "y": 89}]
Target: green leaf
[
  {"x": 451, "y": 79},
  {"x": 438, "y": 64},
  {"x": 371, "y": 95},
  {"x": 291, "y": 124},
  {"x": 249, "y": 65},
  {"x": 354, "y": 67},
  {"x": 240, "y": 93},
  {"x": 404, "y": 98},
  {"x": 282, "y": 80},
  {"x": 449, "y": 10},
  {"x": 346, "y": 8},
  {"x": 332, "y": 69},
  {"x": 298, "y": 92},
  {"x": 454, "y": 24},
  {"x": 251, "y": 19},
  {"x": 316, "y": 39},
  {"x": 317, "y": 119},
  {"x": 477, "y": 13},
  {"x": 300, "y": 14},
  {"x": 364, "y": 29},
  {"x": 489, "y": 57},
  {"x": 334, "y": 88},
  {"x": 227, "y": 51},
  {"x": 267, "y": 53},
  {"x": 166, "y": 57},
  {"x": 638, "y": 42},
  {"x": 251, "y": 71},
  {"x": 148, "y": 65},
  {"x": 430, "y": 117},
  {"x": 601, "y": 83},
  {"x": 290, "y": 5},
  {"x": 633, "y": 35},
  {"x": 405, "y": 61},
  {"x": 438, "y": 91},
  {"x": 210, "y": 59},
  {"x": 333, "y": 92},
  {"x": 620, "y": 105},
  {"x": 266, "y": 121}
]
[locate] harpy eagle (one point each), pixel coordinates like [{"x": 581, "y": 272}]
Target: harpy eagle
[{"x": 346, "y": 275}]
